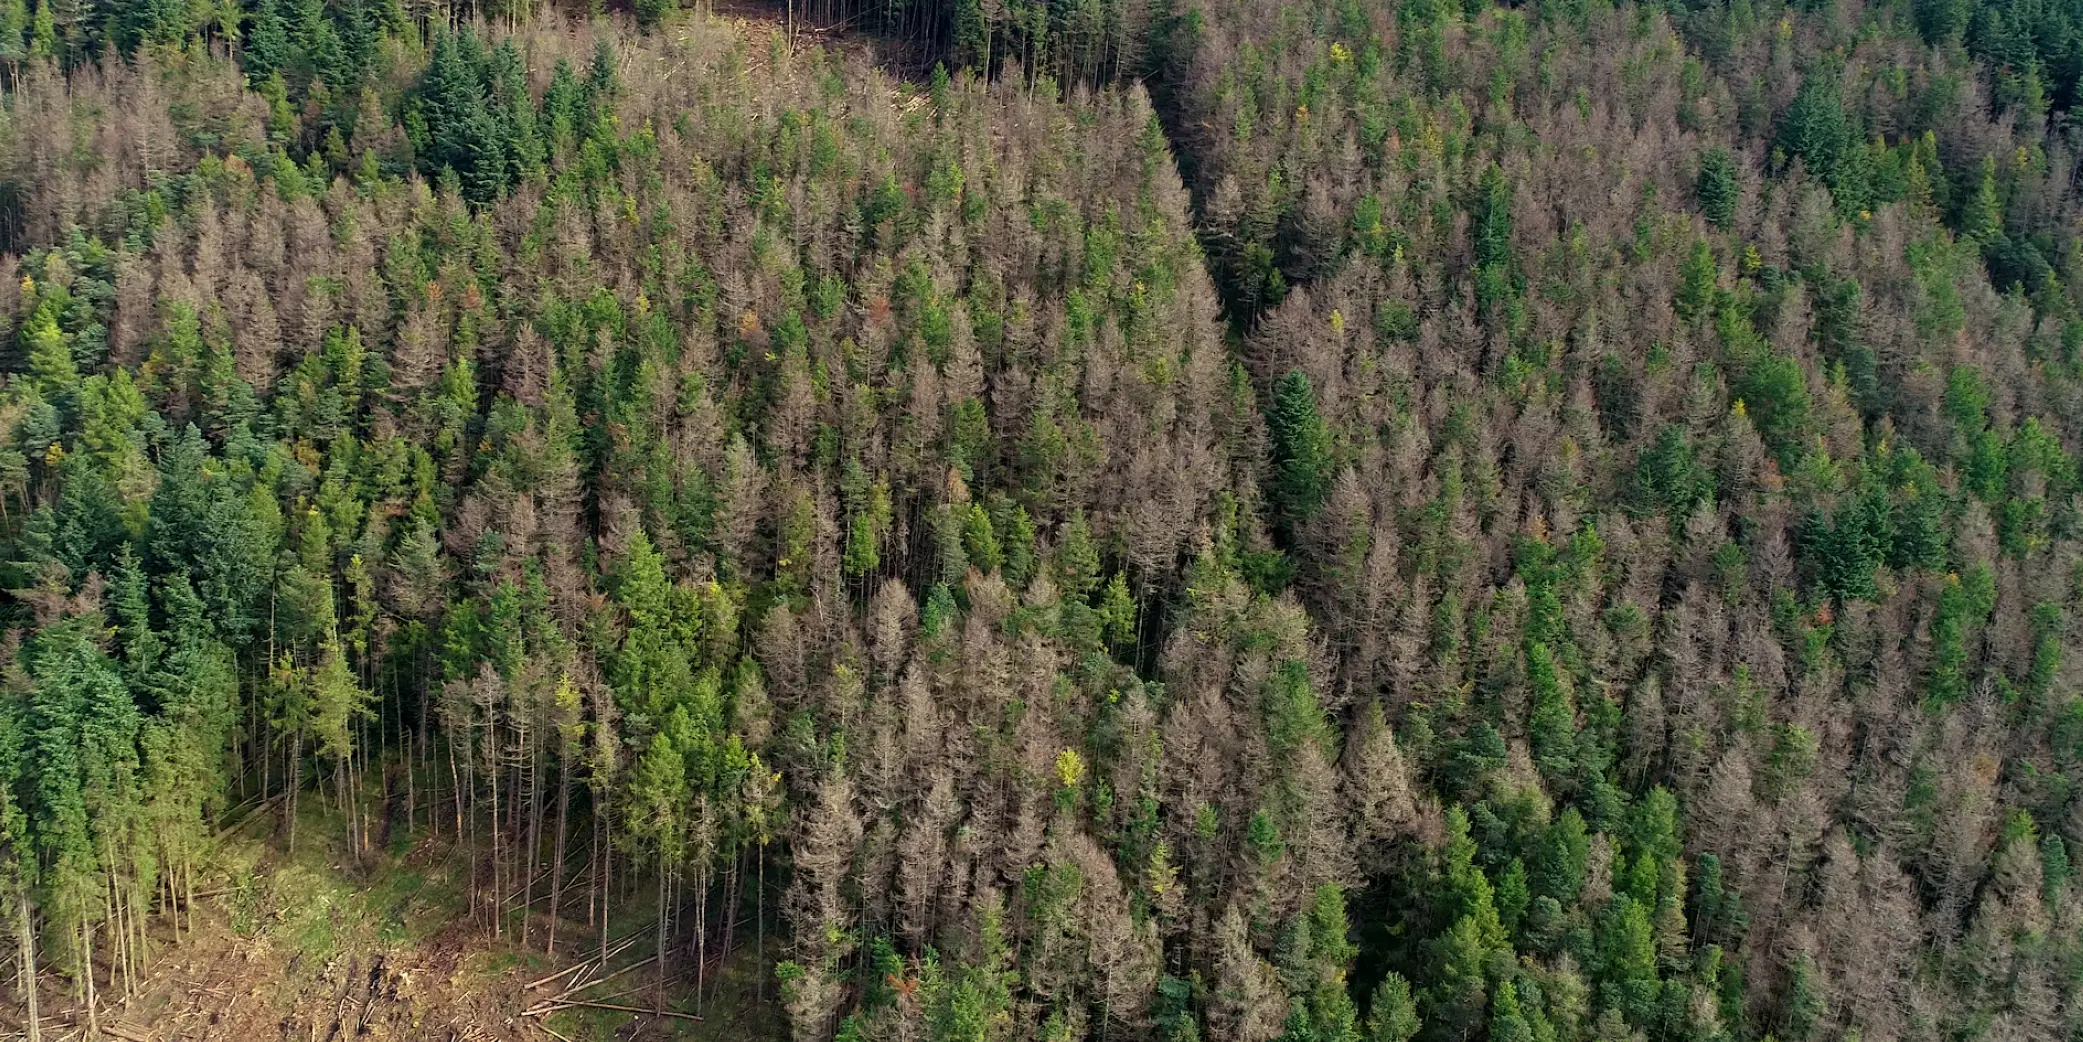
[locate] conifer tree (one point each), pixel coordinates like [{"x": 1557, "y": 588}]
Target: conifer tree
[
  {"x": 1301, "y": 451},
  {"x": 1716, "y": 187}
]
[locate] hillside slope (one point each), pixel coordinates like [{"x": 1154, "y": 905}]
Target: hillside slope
[{"x": 1560, "y": 523}]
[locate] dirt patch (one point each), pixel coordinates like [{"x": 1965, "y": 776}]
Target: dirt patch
[{"x": 221, "y": 986}]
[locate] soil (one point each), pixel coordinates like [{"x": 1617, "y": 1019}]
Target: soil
[{"x": 222, "y": 986}]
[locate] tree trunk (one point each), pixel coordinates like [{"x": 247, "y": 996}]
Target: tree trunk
[
  {"x": 422, "y": 738},
  {"x": 759, "y": 915},
  {"x": 701, "y": 934},
  {"x": 341, "y": 786},
  {"x": 411, "y": 789},
  {"x": 296, "y": 781},
  {"x": 735, "y": 886},
  {"x": 25, "y": 929},
  {"x": 658, "y": 988},
  {"x": 593, "y": 862},
  {"x": 534, "y": 853},
  {"x": 259, "y": 742},
  {"x": 87, "y": 975},
  {"x": 607, "y": 877},
  {"x": 470, "y": 854},
  {"x": 557, "y": 854},
  {"x": 498, "y": 881}
]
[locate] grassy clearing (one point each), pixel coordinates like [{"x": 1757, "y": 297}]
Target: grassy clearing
[{"x": 321, "y": 901}]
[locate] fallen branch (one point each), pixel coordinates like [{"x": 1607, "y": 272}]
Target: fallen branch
[
  {"x": 111, "y": 1028},
  {"x": 589, "y": 964},
  {"x": 249, "y": 815},
  {"x": 115, "y": 1029},
  {"x": 569, "y": 1003},
  {"x": 559, "y": 975},
  {"x": 544, "y": 876},
  {"x": 575, "y": 989}
]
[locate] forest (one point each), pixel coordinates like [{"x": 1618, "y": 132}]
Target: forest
[{"x": 1172, "y": 520}]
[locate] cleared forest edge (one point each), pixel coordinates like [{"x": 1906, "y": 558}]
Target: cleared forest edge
[{"x": 326, "y": 945}]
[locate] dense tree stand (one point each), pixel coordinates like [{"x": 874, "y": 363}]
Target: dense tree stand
[{"x": 1455, "y": 522}]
